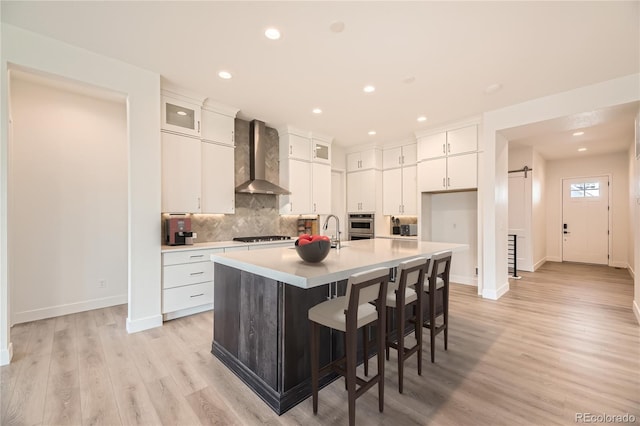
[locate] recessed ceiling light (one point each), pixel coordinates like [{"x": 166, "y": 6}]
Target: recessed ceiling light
[
  {"x": 422, "y": 118},
  {"x": 317, "y": 111},
  {"x": 492, "y": 88},
  {"x": 337, "y": 26},
  {"x": 582, "y": 149},
  {"x": 578, "y": 134},
  {"x": 226, "y": 75},
  {"x": 372, "y": 132},
  {"x": 272, "y": 33},
  {"x": 369, "y": 89},
  {"x": 408, "y": 80}
]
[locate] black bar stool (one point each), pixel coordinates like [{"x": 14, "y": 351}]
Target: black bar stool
[{"x": 438, "y": 277}]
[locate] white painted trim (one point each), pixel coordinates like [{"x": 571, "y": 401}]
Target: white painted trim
[
  {"x": 188, "y": 311},
  {"x": 142, "y": 324},
  {"x": 69, "y": 308},
  {"x": 636, "y": 311},
  {"x": 539, "y": 263},
  {"x": 489, "y": 293},
  {"x": 553, "y": 259},
  {"x": 6, "y": 355},
  {"x": 631, "y": 271},
  {"x": 618, "y": 264},
  {"x": 462, "y": 279}
]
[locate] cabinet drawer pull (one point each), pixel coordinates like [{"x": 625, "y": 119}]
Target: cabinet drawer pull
[
  {"x": 448, "y": 181},
  {"x": 443, "y": 183},
  {"x": 197, "y": 295},
  {"x": 196, "y": 255},
  {"x": 197, "y": 273}
]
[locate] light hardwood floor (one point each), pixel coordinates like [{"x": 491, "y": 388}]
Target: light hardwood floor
[{"x": 563, "y": 341}]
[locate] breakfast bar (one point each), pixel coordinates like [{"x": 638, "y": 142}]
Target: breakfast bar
[{"x": 261, "y": 300}]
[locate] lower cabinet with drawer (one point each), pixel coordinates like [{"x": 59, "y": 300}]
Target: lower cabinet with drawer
[{"x": 187, "y": 282}]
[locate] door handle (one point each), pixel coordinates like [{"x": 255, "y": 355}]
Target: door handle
[{"x": 566, "y": 232}]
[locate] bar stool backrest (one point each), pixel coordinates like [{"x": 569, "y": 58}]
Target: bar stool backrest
[
  {"x": 411, "y": 273},
  {"x": 440, "y": 266},
  {"x": 365, "y": 287}
]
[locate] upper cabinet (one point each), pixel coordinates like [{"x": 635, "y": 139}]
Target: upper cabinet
[
  {"x": 181, "y": 116},
  {"x": 448, "y": 161},
  {"x": 320, "y": 150},
  {"x": 364, "y": 160},
  {"x": 399, "y": 190},
  {"x": 452, "y": 142},
  {"x": 399, "y": 156},
  {"x": 294, "y": 144},
  {"x": 218, "y": 123}
]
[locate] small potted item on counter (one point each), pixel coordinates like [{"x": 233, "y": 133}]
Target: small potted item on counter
[{"x": 313, "y": 248}]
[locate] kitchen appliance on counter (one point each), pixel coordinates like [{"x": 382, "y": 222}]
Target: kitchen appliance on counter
[
  {"x": 262, "y": 238},
  {"x": 177, "y": 231},
  {"x": 409, "y": 230},
  {"x": 361, "y": 226},
  {"x": 395, "y": 226}
]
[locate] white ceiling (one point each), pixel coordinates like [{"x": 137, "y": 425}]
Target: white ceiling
[{"x": 452, "y": 50}]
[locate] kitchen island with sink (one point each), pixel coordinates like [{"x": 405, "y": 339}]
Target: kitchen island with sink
[{"x": 261, "y": 300}]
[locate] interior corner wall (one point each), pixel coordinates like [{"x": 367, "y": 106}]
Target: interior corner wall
[
  {"x": 142, "y": 89},
  {"x": 539, "y": 206},
  {"x": 615, "y": 165},
  {"x": 68, "y": 192},
  {"x": 635, "y": 199}
]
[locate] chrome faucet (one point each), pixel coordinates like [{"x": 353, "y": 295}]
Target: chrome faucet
[{"x": 326, "y": 225}]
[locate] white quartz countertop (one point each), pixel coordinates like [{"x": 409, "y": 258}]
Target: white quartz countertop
[
  {"x": 223, "y": 244},
  {"x": 283, "y": 263}
]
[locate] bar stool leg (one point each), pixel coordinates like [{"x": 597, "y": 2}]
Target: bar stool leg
[
  {"x": 351, "y": 352},
  {"x": 418, "y": 330},
  {"x": 381, "y": 348},
  {"x": 432, "y": 323},
  {"x": 400, "y": 332},
  {"x": 445, "y": 311},
  {"x": 388, "y": 328},
  {"x": 365, "y": 349},
  {"x": 315, "y": 367}
]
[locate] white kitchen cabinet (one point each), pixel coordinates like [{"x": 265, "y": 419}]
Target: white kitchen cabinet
[
  {"x": 294, "y": 145},
  {"x": 187, "y": 282},
  {"x": 295, "y": 175},
  {"x": 362, "y": 190},
  {"x": 181, "y": 174},
  {"x": 218, "y": 179},
  {"x": 452, "y": 142},
  {"x": 399, "y": 156},
  {"x": 448, "y": 174},
  {"x": 217, "y": 127},
  {"x": 399, "y": 191},
  {"x": 321, "y": 188},
  {"x": 181, "y": 116},
  {"x": 321, "y": 151},
  {"x": 364, "y": 160}
]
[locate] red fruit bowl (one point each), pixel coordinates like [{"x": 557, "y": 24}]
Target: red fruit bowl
[{"x": 314, "y": 251}]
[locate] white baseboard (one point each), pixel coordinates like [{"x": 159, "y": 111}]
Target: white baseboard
[
  {"x": 617, "y": 264},
  {"x": 69, "y": 308},
  {"x": 631, "y": 271},
  {"x": 141, "y": 324},
  {"x": 462, "y": 279},
  {"x": 189, "y": 311},
  {"x": 539, "y": 263},
  {"x": 636, "y": 311},
  {"x": 553, "y": 259},
  {"x": 497, "y": 293},
  {"x": 6, "y": 355}
]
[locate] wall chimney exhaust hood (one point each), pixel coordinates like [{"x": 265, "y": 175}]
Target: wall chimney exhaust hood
[{"x": 257, "y": 183}]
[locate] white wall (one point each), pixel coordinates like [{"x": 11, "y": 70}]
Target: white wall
[
  {"x": 634, "y": 190},
  {"x": 68, "y": 193},
  {"x": 615, "y": 165},
  {"x": 454, "y": 219},
  {"x": 492, "y": 163},
  {"x": 539, "y": 205},
  {"x": 142, "y": 90}
]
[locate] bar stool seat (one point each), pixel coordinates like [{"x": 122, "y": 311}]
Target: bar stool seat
[
  {"x": 410, "y": 294},
  {"x": 347, "y": 314}
]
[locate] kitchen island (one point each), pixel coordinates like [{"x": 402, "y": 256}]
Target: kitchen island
[{"x": 261, "y": 300}]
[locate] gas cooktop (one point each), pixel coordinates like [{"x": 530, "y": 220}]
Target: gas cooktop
[{"x": 262, "y": 238}]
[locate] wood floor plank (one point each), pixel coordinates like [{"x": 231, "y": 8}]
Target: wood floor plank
[{"x": 563, "y": 340}]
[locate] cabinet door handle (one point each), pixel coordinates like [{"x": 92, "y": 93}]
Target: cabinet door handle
[
  {"x": 448, "y": 181},
  {"x": 196, "y": 255},
  {"x": 197, "y": 273},
  {"x": 448, "y": 147},
  {"x": 443, "y": 183},
  {"x": 314, "y": 207},
  {"x": 197, "y": 295},
  {"x": 198, "y": 126},
  {"x": 443, "y": 150},
  {"x": 290, "y": 149},
  {"x": 233, "y": 136},
  {"x": 198, "y": 203},
  {"x": 399, "y": 160}
]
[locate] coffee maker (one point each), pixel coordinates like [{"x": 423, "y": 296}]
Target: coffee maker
[{"x": 177, "y": 231}]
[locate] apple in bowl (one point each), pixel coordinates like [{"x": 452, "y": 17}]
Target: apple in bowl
[{"x": 313, "y": 248}]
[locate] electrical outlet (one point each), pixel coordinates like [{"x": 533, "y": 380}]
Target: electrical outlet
[{"x": 102, "y": 283}]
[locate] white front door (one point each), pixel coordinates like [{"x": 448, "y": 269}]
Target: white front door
[{"x": 585, "y": 219}]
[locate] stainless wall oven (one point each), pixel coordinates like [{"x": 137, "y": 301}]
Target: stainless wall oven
[{"x": 361, "y": 226}]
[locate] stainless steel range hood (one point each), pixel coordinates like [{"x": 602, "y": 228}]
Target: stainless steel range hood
[{"x": 257, "y": 183}]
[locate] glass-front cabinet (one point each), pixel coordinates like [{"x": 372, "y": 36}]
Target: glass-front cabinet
[
  {"x": 321, "y": 151},
  {"x": 180, "y": 116}
]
